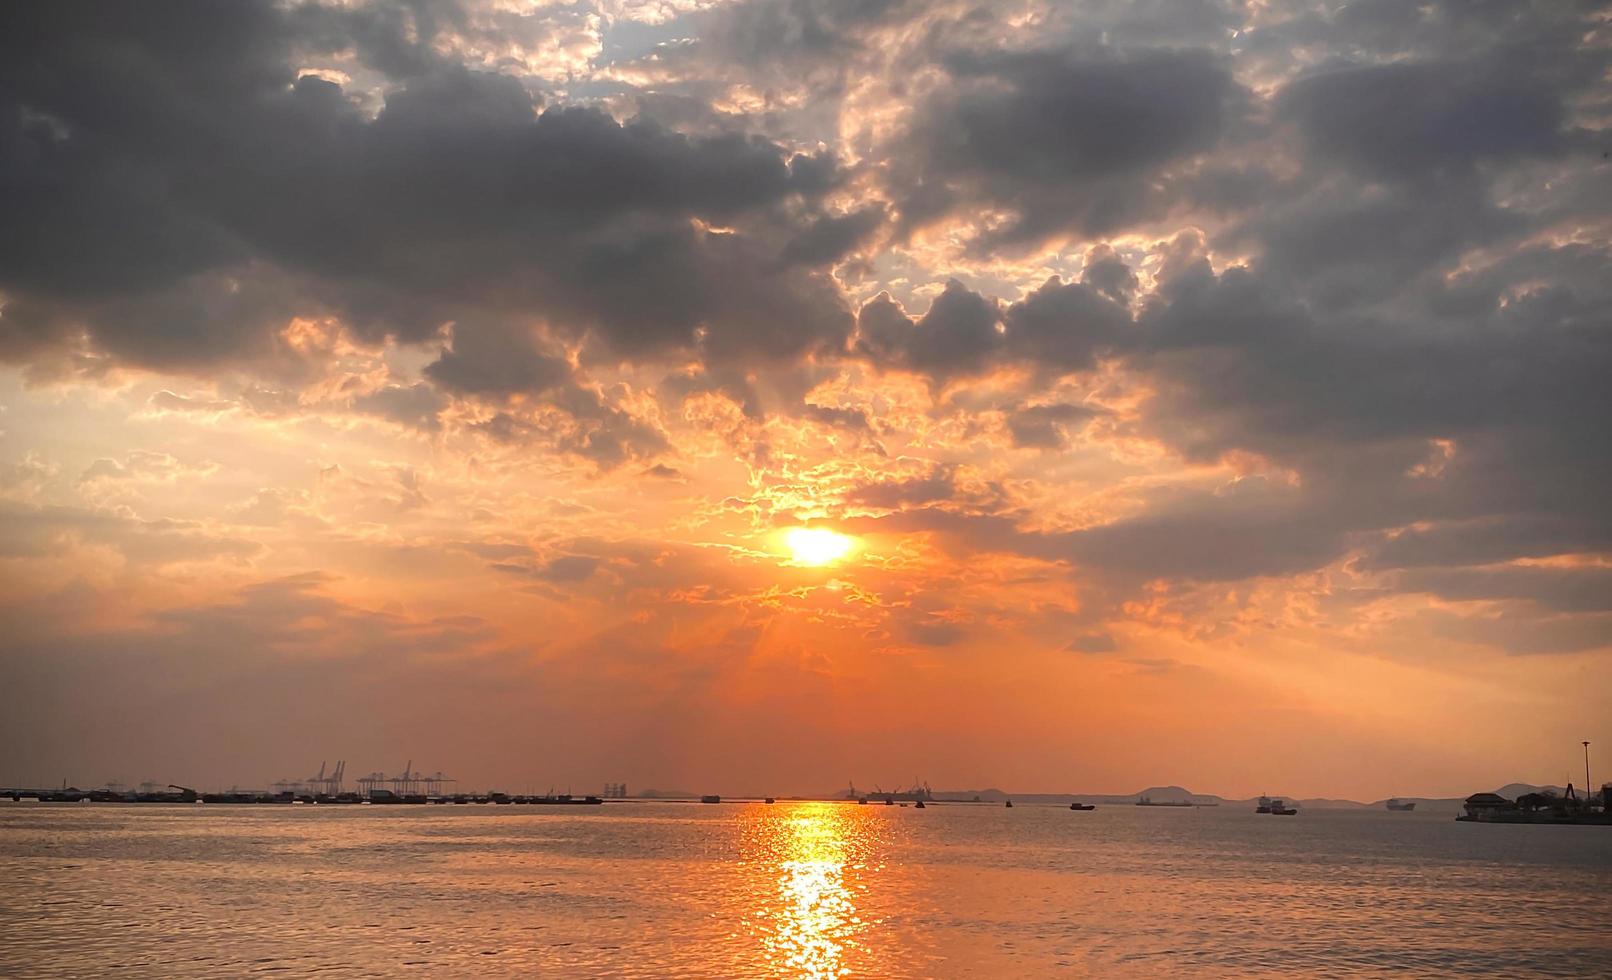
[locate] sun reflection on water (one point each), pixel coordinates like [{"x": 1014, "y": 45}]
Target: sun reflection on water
[{"x": 809, "y": 924}]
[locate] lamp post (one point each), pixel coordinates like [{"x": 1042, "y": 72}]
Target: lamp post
[{"x": 1586, "y": 770}]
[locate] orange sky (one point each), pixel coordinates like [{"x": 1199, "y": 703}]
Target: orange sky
[{"x": 460, "y": 407}]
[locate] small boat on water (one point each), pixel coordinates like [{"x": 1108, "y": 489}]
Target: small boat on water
[
  {"x": 713, "y": 798},
  {"x": 1010, "y": 804},
  {"x": 1082, "y": 806},
  {"x": 770, "y": 800},
  {"x": 1401, "y": 806},
  {"x": 919, "y": 804}
]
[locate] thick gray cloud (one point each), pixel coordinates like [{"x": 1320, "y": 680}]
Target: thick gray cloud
[
  {"x": 1061, "y": 327},
  {"x": 1412, "y": 121},
  {"x": 415, "y": 406},
  {"x": 1066, "y": 139},
  {"x": 170, "y": 183}
]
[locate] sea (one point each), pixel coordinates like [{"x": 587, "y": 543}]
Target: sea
[{"x": 809, "y": 890}]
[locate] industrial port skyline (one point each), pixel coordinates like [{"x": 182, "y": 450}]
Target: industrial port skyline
[{"x": 329, "y": 784}]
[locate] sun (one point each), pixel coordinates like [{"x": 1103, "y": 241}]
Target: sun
[{"x": 817, "y": 545}]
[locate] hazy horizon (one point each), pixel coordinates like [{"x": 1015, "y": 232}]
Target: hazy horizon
[
  {"x": 751, "y": 396},
  {"x": 695, "y": 788}
]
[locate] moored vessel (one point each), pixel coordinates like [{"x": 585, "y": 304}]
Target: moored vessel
[{"x": 1149, "y": 801}]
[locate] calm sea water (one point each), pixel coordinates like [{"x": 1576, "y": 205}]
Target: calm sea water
[{"x": 797, "y": 890}]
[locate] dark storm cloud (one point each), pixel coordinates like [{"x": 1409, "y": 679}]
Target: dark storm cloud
[
  {"x": 1251, "y": 365},
  {"x": 171, "y": 184},
  {"x": 1061, "y": 326},
  {"x": 831, "y": 237},
  {"x": 497, "y": 360},
  {"x": 1068, "y": 139},
  {"x": 1408, "y": 121},
  {"x": 1045, "y": 426},
  {"x": 415, "y": 406},
  {"x": 958, "y": 333},
  {"x": 825, "y": 45}
]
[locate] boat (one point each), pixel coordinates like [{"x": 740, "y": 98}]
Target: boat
[
  {"x": 1010, "y": 804},
  {"x": 769, "y": 800},
  {"x": 1274, "y": 805},
  {"x": 1148, "y": 801},
  {"x": 919, "y": 804},
  {"x": 713, "y": 798},
  {"x": 1401, "y": 806},
  {"x": 563, "y": 799},
  {"x": 1082, "y": 806}
]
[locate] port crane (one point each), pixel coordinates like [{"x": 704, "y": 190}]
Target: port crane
[
  {"x": 406, "y": 783},
  {"x": 331, "y": 785}
]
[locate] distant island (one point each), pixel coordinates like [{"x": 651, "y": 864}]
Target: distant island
[{"x": 1180, "y": 794}]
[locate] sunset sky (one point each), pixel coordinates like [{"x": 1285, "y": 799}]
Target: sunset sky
[{"x": 755, "y": 396}]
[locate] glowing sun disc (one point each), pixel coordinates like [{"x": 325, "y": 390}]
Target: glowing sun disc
[{"x": 816, "y": 545}]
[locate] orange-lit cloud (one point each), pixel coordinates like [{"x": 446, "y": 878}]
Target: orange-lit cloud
[{"x": 750, "y": 395}]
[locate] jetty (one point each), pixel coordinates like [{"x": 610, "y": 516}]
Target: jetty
[{"x": 1570, "y": 808}]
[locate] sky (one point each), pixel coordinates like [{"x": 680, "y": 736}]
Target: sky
[{"x": 757, "y": 396}]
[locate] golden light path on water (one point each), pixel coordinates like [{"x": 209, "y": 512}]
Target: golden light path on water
[{"x": 810, "y": 925}]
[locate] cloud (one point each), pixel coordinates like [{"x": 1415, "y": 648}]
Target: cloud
[
  {"x": 500, "y": 344},
  {"x": 1094, "y": 642},
  {"x": 34, "y": 532},
  {"x": 1411, "y": 121},
  {"x": 1058, "y": 327},
  {"x": 459, "y": 199},
  {"x": 414, "y": 406},
  {"x": 1067, "y": 140}
]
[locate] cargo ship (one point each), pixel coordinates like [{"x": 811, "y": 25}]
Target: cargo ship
[
  {"x": 1401, "y": 806},
  {"x": 1149, "y": 801}
]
